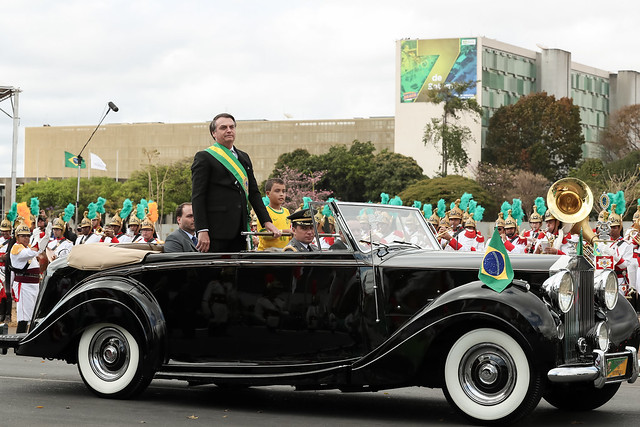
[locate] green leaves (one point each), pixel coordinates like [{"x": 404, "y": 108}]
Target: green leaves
[{"x": 538, "y": 134}]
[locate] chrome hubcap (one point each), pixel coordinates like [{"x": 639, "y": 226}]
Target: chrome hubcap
[
  {"x": 109, "y": 354},
  {"x": 487, "y": 374}
]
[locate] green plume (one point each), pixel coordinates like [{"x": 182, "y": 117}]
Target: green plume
[
  {"x": 384, "y": 198},
  {"x": 396, "y": 201},
  {"x": 100, "y": 204},
  {"x": 417, "y": 204},
  {"x": 464, "y": 201},
  {"x": 265, "y": 200},
  {"x": 306, "y": 201},
  {"x": 427, "y": 210},
  {"x": 516, "y": 211},
  {"x": 442, "y": 208},
  {"x": 35, "y": 206},
  {"x": 68, "y": 212},
  {"x": 13, "y": 213},
  {"x": 478, "y": 214},
  {"x": 93, "y": 208},
  {"x": 127, "y": 207},
  {"x": 540, "y": 206}
]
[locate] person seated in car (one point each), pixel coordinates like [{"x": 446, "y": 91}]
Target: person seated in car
[{"x": 302, "y": 231}]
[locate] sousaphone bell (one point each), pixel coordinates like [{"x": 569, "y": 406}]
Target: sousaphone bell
[{"x": 570, "y": 200}]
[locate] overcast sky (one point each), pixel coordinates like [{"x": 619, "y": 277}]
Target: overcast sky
[{"x": 184, "y": 61}]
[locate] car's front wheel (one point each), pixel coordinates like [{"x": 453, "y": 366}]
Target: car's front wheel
[
  {"x": 110, "y": 362},
  {"x": 489, "y": 377},
  {"x": 579, "y": 397}
]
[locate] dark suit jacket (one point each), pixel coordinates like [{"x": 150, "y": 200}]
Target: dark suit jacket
[
  {"x": 178, "y": 241},
  {"x": 218, "y": 200}
]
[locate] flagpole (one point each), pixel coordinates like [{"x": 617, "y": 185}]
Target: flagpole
[{"x": 78, "y": 191}]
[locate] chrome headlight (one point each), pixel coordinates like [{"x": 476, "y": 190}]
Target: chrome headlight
[
  {"x": 606, "y": 288},
  {"x": 601, "y": 336},
  {"x": 559, "y": 289}
]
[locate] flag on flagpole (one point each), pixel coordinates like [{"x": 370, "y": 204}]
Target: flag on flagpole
[
  {"x": 71, "y": 161},
  {"x": 97, "y": 163},
  {"x": 496, "y": 271}
]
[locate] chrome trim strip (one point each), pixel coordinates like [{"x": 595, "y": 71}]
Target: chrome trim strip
[{"x": 573, "y": 374}]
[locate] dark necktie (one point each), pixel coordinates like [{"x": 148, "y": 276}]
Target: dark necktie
[{"x": 194, "y": 239}]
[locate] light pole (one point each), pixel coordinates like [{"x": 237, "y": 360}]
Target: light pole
[{"x": 115, "y": 109}]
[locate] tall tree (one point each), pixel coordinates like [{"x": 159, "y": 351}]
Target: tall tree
[
  {"x": 391, "y": 173},
  {"x": 622, "y": 134},
  {"x": 538, "y": 133},
  {"x": 449, "y": 137}
]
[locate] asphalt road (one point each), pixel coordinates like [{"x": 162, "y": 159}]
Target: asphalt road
[{"x": 35, "y": 392}]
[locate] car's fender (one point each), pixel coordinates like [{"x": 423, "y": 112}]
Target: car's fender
[
  {"x": 420, "y": 345},
  {"x": 118, "y": 300}
]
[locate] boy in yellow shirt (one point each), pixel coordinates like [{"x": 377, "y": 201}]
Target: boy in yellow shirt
[{"x": 276, "y": 192}]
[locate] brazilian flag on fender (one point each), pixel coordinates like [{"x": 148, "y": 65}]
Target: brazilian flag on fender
[{"x": 496, "y": 271}]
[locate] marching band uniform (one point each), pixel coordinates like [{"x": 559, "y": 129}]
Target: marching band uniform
[
  {"x": 531, "y": 235},
  {"x": 468, "y": 240},
  {"x": 132, "y": 237},
  {"x": 515, "y": 244},
  {"x": 89, "y": 238},
  {"x": 26, "y": 276},
  {"x": 564, "y": 243},
  {"x": 147, "y": 225},
  {"x": 5, "y": 303},
  {"x": 116, "y": 221},
  {"x": 60, "y": 246},
  {"x": 624, "y": 264}
]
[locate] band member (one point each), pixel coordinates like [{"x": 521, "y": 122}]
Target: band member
[
  {"x": 468, "y": 241},
  {"x": 512, "y": 241},
  {"x": 148, "y": 232},
  {"x": 87, "y": 235},
  {"x": 624, "y": 264},
  {"x": 59, "y": 246},
  {"x": 134, "y": 229},
  {"x": 112, "y": 231},
  {"x": 26, "y": 273},
  {"x": 5, "y": 239},
  {"x": 535, "y": 222},
  {"x": 554, "y": 240}
]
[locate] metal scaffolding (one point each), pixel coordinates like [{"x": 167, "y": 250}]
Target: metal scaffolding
[{"x": 11, "y": 93}]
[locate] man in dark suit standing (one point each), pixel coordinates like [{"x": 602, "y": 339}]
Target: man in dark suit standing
[
  {"x": 223, "y": 186},
  {"x": 184, "y": 238}
]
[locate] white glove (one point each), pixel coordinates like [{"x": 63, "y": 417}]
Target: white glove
[{"x": 44, "y": 241}]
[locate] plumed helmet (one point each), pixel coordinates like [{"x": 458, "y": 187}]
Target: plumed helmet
[
  {"x": 58, "y": 223},
  {"x": 5, "y": 225},
  {"x": 603, "y": 216},
  {"x": 444, "y": 221},
  {"x": 535, "y": 216},
  {"x": 147, "y": 224},
  {"x": 134, "y": 220},
  {"x": 86, "y": 222},
  {"x": 548, "y": 215},
  {"x": 636, "y": 215},
  {"x": 510, "y": 222},
  {"x": 434, "y": 219},
  {"x": 500, "y": 220},
  {"x": 116, "y": 220},
  {"x": 470, "y": 222},
  {"x": 22, "y": 229},
  {"x": 614, "y": 218},
  {"x": 456, "y": 212}
]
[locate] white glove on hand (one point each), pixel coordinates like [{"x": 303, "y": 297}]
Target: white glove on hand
[{"x": 44, "y": 241}]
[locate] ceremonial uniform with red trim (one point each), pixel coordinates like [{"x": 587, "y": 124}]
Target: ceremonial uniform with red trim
[
  {"x": 60, "y": 247},
  {"x": 89, "y": 238},
  {"x": 467, "y": 241},
  {"x": 564, "y": 244},
  {"x": 515, "y": 244},
  {"x": 4, "y": 244},
  {"x": 622, "y": 263},
  {"x": 25, "y": 284}
]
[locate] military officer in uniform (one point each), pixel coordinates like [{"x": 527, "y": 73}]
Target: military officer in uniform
[
  {"x": 302, "y": 230},
  {"x": 87, "y": 236}
]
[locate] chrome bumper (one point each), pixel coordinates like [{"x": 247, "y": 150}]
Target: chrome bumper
[{"x": 601, "y": 371}]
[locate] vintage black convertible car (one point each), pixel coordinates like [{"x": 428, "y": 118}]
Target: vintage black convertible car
[{"x": 388, "y": 309}]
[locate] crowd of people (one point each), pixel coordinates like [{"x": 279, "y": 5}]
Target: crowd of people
[{"x": 226, "y": 202}]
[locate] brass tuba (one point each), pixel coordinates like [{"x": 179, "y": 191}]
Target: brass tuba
[{"x": 570, "y": 200}]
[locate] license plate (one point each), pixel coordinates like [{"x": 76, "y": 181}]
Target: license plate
[{"x": 617, "y": 367}]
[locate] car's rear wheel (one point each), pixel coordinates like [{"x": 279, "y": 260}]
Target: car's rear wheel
[
  {"x": 489, "y": 377},
  {"x": 110, "y": 362},
  {"x": 579, "y": 397}
]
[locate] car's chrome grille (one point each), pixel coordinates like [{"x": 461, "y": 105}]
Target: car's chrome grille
[{"x": 581, "y": 318}]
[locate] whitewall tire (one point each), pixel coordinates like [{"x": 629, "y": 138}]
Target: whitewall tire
[
  {"x": 489, "y": 378},
  {"x": 109, "y": 361}
]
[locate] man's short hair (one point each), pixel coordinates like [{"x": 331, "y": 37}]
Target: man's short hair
[
  {"x": 269, "y": 185},
  {"x": 180, "y": 208},
  {"x": 212, "y": 125}
]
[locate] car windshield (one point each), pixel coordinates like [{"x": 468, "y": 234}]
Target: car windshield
[{"x": 371, "y": 224}]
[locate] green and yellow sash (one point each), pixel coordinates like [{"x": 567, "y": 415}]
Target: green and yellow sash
[{"x": 233, "y": 165}]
